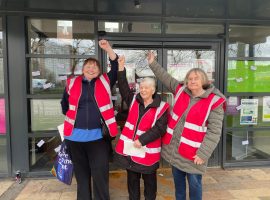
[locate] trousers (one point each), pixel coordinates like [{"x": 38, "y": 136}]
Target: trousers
[
  {"x": 194, "y": 183},
  {"x": 90, "y": 160},
  {"x": 150, "y": 185}
]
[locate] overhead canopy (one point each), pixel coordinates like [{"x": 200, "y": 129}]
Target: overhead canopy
[{"x": 217, "y": 9}]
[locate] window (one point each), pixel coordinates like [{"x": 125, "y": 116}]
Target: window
[
  {"x": 56, "y": 49},
  {"x": 181, "y": 61},
  {"x": 194, "y": 29},
  {"x": 130, "y": 27},
  {"x": 249, "y": 59},
  {"x": 248, "y": 104}
]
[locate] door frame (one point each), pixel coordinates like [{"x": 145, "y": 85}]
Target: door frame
[{"x": 162, "y": 45}]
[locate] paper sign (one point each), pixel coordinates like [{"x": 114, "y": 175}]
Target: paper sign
[
  {"x": 239, "y": 107},
  {"x": 129, "y": 149},
  {"x": 61, "y": 131},
  {"x": 232, "y": 101},
  {"x": 245, "y": 142},
  {"x": 40, "y": 143},
  {"x": 249, "y": 111},
  {"x": 266, "y": 109},
  {"x": 47, "y": 85},
  {"x": 238, "y": 80},
  {"x": 57, "y": 149},
  {"x": 36, "y": 73},
  {"x": 252, "y": 67}
]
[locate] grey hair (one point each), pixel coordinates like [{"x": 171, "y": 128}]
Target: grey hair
[
  {"x": 201, "y": 72},
  {"x": 149, "y": 81}
]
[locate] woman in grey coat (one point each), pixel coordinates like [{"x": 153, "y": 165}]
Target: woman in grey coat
[{"x": 194, "y": 127}]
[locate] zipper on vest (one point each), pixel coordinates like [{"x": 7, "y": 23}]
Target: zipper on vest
[{"x": 88, "y": 100}]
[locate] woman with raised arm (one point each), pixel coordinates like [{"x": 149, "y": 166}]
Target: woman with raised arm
[
  {"x": 144, "y": 128},
  {"x": 87, "y": 99},
  {"x": 194, "y": 127}
]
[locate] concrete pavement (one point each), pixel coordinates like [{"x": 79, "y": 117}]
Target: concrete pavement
[{"x": 218, "y": 184}]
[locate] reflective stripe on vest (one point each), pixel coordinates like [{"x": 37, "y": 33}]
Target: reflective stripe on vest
[
  {"x": 72, "y": 80},
  {"x": 72, "y": 107},
  {"x": 129, "y": 126},
  {"x": 110, "y": 121},
  {"x": 71, "y": 121},
  {"x": 139, "y": 132},
  {"x": 169, "y": 130},
  {"x": 174, "y": 116},
  {"x": 213, "y": 101},
  {"x": 106, "y": 107},
  {"x": 106, "y": 85},
  {"x": 190, "y": 142},
  {"x": 179, "y": 93},
  {"x": 161, "y": 106},
  {"x": 195, "y": 127}
]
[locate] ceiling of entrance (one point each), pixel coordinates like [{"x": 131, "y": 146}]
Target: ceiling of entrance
[{"x": 234, "y": 9}]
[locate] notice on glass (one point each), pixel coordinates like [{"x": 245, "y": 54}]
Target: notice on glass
[
  {"x": 61, "y": 131},
  {"x": 249, "y": 112},
  {"x": 129, "y": 149},
  {"x": 266, "y": 109},
  {"x": 232, "y": 106}
]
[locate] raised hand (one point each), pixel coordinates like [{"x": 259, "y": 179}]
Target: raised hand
[
  {"x": 150, "y": 57},
  {"x": 105, "y": 45},
  {"x": 121, "y": 63}
]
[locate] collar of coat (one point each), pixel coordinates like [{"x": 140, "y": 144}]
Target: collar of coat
[{"x": 154, "y": 104}]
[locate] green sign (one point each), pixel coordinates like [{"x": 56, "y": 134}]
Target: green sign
[{"x": 248, "y": 76}]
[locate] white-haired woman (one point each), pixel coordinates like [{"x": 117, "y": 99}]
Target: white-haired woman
[
  {"x": 145, "y": 126},
  {"x": 194, "y": 127}
]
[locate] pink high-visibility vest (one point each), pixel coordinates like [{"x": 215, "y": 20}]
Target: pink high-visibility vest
[
  {"x": 102, "y": 94},
  {"x": 195, "y": 125},
  {"x": 132, "y": 130}
]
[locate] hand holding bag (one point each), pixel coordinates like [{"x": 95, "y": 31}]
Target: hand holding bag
[{"x": 63, "y": 167}]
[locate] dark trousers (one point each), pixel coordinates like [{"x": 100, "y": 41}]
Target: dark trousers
[
  {"x": 150, "y": 185},
  {"x": 90, "y": 159}
]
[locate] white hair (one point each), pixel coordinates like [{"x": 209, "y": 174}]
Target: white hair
[{"x": 149, "y": 81}]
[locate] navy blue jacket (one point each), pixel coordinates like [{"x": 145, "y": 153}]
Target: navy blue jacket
[{"x": 88, "y": 115}]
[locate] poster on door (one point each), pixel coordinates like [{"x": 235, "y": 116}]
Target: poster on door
[
  {"x": 249, "y": 112},
  {"x": 2, "y": 117},
  {"x": 266, "y": 109}
]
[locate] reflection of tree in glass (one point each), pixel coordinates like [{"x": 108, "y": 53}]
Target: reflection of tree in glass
[
  {"x": 180, "y": 56},
  {"x": 50, "y": 68},
  {"x": 140, "y": 61}
]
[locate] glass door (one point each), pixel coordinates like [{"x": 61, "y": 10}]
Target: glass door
[{"x": 177, "y": 59}]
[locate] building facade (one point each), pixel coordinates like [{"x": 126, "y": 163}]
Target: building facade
[{"x": 43, "y": 42}]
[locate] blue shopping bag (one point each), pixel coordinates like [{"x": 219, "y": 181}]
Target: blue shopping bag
[{"x": 63, "y": 167}]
